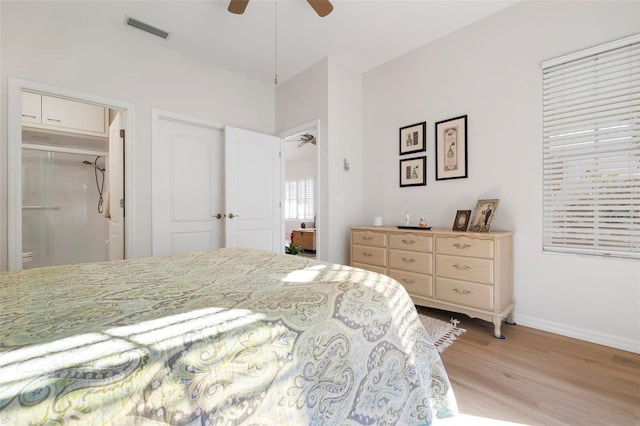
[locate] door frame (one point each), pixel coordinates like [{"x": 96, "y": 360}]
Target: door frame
[
  {"x": 14, "y": 161},
  {"x": 156, "y": 116},
  {"x": 310, "y": 125}
]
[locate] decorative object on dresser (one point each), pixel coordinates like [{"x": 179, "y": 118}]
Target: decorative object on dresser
[
  {"x": 483, "y": 215},
  {"x": 413, "y": 171},
  {"x": 451, "y": 148},
  {"x": 462, "y": 220},
  {"x": 413, "y": 138},
  {"x": 465, "y": 272}
]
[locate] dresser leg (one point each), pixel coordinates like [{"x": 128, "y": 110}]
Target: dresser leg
[{"x": 497, "y": 323}]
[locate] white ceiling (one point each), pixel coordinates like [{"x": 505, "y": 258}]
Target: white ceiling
[{"x": 361, "y": 33}]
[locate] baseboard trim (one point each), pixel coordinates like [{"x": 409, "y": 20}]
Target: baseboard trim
[{"x": 605, "y": 339}]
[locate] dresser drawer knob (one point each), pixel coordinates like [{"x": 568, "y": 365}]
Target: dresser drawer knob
[
  {"x": 409, "y": 241},
  {"x": 408, "y": 260},
  {"x": 408, "y": 281},
  {"x": 461, "y": 246},
  {"x": 463, "y": 292},
  {"x": 461, "y": 267}
]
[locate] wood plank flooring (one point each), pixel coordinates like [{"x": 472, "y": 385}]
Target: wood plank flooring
[{"x": 537, "y": 378}]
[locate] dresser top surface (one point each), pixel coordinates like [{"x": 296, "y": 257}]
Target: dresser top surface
[{"x": 439, "y": 231}]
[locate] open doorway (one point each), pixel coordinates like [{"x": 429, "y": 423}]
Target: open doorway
[
  {"x": 300, "y": 194},
  {"x": 66, "y": 176}
]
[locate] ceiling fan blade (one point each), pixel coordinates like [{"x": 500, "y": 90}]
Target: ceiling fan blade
[
  {"x": 237, "y": 6},
  {"x": 322, "y": 7}
]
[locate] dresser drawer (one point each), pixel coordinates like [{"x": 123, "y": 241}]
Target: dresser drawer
[
  {"x": 464, "y": 293},
  {"x": 465, "y": 268},
  {"x": 413, "y": 261},
  {"x": 374, "y": 268},
  {"x": 418, "y": 284},
  {"x": 369, "y": 238},
  {"x": 416, "y": 242},
  {"x": 465, "y": 246},
  {"x": 370, "y": 255}
]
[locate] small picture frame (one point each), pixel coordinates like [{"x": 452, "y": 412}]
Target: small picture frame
[
  {"x": 483, "y": 215},
  {"x": 451, "y": 148},
  {"x": 462, "y": 220},
  {"x": 413, "y": 138},
  {"x": 413, "y": 171}
]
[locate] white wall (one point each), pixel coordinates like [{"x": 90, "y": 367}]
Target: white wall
[
  {"x": 345, "y": 142},
  {"x": 58, "y": 43},
  {"x": 330, "y": 92},
  {"x": 491, "y": 72}
]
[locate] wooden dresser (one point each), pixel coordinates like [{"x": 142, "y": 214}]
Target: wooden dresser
[
  {"x": 305, "y": 239},
  {"x": 466, "y": 272}
]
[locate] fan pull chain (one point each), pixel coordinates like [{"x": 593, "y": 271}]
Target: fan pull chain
[{"x": 275, "y": 32}]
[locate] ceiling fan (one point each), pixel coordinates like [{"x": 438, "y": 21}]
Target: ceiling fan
[
  {"x": 322, "y": 7},
  {"x": 305, "y": 139}
]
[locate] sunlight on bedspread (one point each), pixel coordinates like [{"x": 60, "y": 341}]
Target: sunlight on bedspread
[{"x": 230, "y": 336}]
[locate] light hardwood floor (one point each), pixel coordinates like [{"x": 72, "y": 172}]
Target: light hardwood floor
[{"x": 537, "y": 378}]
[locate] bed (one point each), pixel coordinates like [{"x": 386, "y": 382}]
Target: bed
[{"x": 223, "y": 337}]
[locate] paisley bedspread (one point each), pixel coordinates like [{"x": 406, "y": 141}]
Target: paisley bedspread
[{"x": 224, "y": 337}]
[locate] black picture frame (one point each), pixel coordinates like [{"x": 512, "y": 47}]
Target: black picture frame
[
  {"x": 413, "y": 171},
  {"x": 451, "y": 148},
  {"x": 413, "y": 138},
  {"x": 461, "y": 221}
]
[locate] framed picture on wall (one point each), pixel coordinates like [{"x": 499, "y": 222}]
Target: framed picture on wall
[
  {"x": 413, "y": 171},
  {"x": 413, "y": 138},
  {"x": 483, "y": 215},
  {"x": 451, "y": 148}
]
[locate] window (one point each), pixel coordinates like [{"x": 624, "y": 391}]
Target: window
[
  {"x": 299, "y": 199},
  {"x": 591, "y": 151}
]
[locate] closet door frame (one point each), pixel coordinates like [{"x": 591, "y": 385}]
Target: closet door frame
[{"x": 14, "y": 162}]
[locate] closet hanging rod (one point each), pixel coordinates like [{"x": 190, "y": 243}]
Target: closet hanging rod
[{"x": 36, "y": 147}]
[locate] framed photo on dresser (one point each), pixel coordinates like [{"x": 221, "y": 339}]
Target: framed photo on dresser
[
  {"x": 461, "y": 221},
  {"x": 483, "y": 215}
]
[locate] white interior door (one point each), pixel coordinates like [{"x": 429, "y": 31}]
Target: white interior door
[
  {"x": 115, "y": 169},
  {"x": 252, "y": 190},
  {"x": 187, "y": 173}
]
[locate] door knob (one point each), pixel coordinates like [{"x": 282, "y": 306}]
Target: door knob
[
  {"x": 217, "y": 216},
  {"x": 231, "y": 215}
]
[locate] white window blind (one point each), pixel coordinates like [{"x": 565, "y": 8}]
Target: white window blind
[
  {"x": 300, "y": 199},
  {"x": 591, "y": 151}
]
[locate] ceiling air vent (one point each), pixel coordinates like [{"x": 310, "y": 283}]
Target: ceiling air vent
[{"x": 148, "y": 28}]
